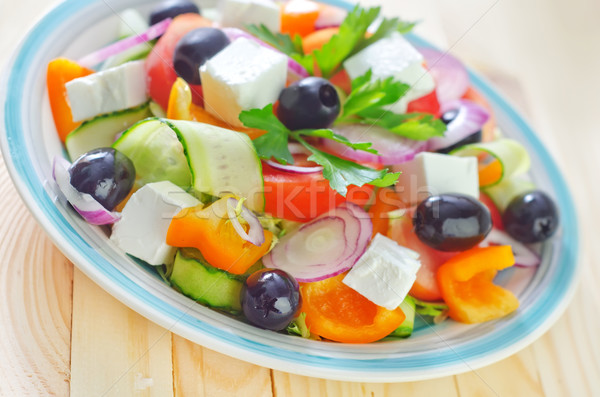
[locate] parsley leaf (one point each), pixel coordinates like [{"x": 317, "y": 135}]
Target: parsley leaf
[
  {"x": 341, "y": 173},
  {"x": 367, "y": 104},
  {"x": 275, "y": 142},
  {"x": 283, "y": 42},
  {"x": 385, "y": 28},
  {"x": 329, "y": 134}
]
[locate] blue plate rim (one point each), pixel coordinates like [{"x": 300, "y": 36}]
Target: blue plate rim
[{"x": 77, "y": 250}]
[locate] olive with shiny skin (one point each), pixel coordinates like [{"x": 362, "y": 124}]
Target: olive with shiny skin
[
  {"x": 447, "y": 118},
  {"x": 452, "y": 222},
  {"x": 270, "y": 299},
  {"x": 172, "y": 8},
  {"x": 194, "y": 49},
  {"x": 105, "y": 173},
  {"x": 531, "y": 217},
  {"x": 312, "y": 102}
]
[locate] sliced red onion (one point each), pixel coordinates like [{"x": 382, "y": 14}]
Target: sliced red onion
[
  {"x": 450, "y": 75},
  {"x": 324, "y": 247},
  {"x": 470, "y": 118},
  {"x": 392, "y": 148},
  {"x": 256, "y": 233},
  {"x": 103, "y": 54},
  {"x": 524, "y": 257},
  {"x": 87, "y": 206},
  {"x": 294, "y": 168},
  {"x": 296, "y": 70},
  {"x": 330, "y": 17}
]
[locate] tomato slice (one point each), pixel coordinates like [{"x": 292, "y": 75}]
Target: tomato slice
[
  {"x": 426, "y": 104},
  {"x": 337, "y": 312},
  {"x": 426, "y": 286},
  {"x": 303, "y": 197},
  {"x": 496, "y": 215},
  {"x": 160, "y": 73}
]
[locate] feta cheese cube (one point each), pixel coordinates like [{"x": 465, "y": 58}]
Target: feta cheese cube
[
  {"x": 385, "y": 273},
  {"x": 240, "y": 13},
  {"x": 142, "y": 229},
  {"x": 243, "y": 76},
  {"x": 393, "y": 56},
  {"x": 430, "y": 174},
  {"x": 113, "y": 89}
]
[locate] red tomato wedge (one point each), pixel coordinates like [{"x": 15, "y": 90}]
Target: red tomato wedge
[
  {"x": 160, "y": 74},
  {"x": 496, "y": 215},
  {"x": 425, "y": 287},
  {"x": 426, "y": 104},
  {"x": 303, "y": 197}
]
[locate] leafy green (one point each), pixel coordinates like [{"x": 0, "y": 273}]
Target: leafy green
[
  {"x": 275, "y": 142},
  {"x": 367, "y": 104},
  {"x": 283, "y": 42},
  {"x": 432, "y": 309},
  {"x": 329, "y": 134},
  {"x": 341, "y": 173},
  {"x": 298, "y": 326},
  {"x": 386, "y": 28},
  {"x": 349, "y": 40}
]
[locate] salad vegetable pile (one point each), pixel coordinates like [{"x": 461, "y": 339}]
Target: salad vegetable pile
[{"x": 301, "y": 167}]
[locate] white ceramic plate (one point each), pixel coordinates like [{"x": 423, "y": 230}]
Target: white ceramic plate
[{"x": 29, "y": 142}]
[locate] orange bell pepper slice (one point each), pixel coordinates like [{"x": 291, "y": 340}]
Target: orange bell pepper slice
[
  {"x": 60, "y": 71},
  {"x": 336, "y": 312},
  {"x": 386, "y": 201},
  {"x": 299, "y": 17},
  {"x": 466, "y": 283},
  {"x": 210, "y": 231},
  {"x": 181, "y": 108}
]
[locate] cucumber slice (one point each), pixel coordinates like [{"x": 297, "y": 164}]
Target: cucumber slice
[
  {"x": 406, "y": 328},
  {"x": 512, "y": 156},
  {"x": 101, "y": 130},
  {"x": 222, "y": 162},
  {"x": 206, "y": 284},
  {"x": 503, "y": 192},
  {"x": 156, "y": 153}
]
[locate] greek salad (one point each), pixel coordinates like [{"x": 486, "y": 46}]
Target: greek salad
[{"x": 301, "y": 167}]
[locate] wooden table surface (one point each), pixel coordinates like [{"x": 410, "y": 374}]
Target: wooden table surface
[{"x": 60, "y": 334}]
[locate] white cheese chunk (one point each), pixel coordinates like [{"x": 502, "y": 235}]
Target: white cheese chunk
[
  {"x": 240, "y": 13},
  {"x": 385, "y": 273},
  {"x": 113, "y": 89},
  {"x": 430, "y": 174},
  {"x": 243, "y": 76},
  {"x": 142, "y": 229},
  {"x": 393, "y": 56}
]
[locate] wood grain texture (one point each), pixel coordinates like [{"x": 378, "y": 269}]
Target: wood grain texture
[
  {"x": 35, "y": 304},
  {"x": 114, "y": 350},
  {"x": 203, "y": 372}
]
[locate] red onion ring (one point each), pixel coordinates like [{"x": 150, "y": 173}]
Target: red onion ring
[
  {"x": 470, "y": 118},
  {"x": 255, "y": 234},
  {"x": 325, "y": 247},
  {"x": 392, "y": 148},
  {"x": 103, "y": 54},
  {"x": 450, "y": 75},
  {"x": 294, "y": 168},
  {"x": 524, "y": 257},
  {"x": 87, "y": 206}
]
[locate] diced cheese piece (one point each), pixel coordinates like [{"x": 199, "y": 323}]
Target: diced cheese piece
[
  {"x": 385, "y": 273},
  {"x": 243, "y": 76},
  {"x": 431, "y": 174},
  {"x": 393, "y": 56},
  {"x": 240, "y": 13},
  {"x": 113, "y": 89},
  {"x": 142, "y": 229}
]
